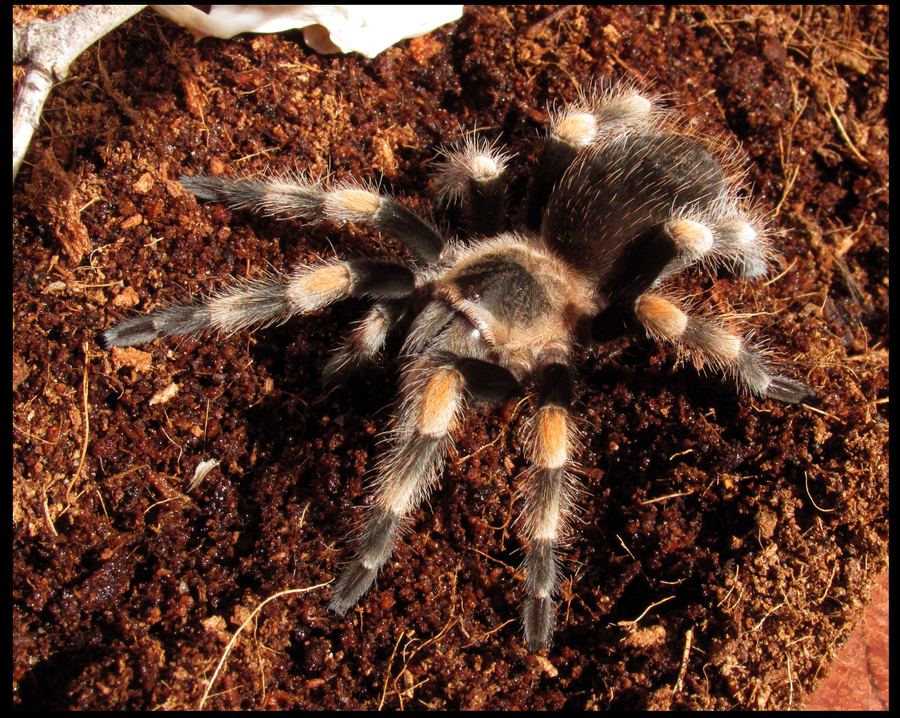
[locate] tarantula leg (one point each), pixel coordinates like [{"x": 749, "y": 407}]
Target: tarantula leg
[
  {"x": 708, "y": 342},
  {"x": 640, "y": 264},
  {"x": 637, "y": 268},
  {"x": 548, "y": 489},
  {"x": 472, "y": 175},
  {"x": 615, "y": 321},
  {"x": 432, "y": 320},
  {"x": 259, "y": 302},
  {"x": 298, "y": 196},
  {"x": 366, "y": 340},
  {"x": 486, "y": 381},
  {"x": 723, "y": 237},
  {"x": 433, "y": 395},
  {"x": 740, "y": 245},
  {"x": 577, "y": 127}
]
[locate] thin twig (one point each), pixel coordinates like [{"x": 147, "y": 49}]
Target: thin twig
[{"x": 237, "y": 633}]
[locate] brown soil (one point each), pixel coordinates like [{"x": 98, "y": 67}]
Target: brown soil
[{"x": 725, "y": 545}]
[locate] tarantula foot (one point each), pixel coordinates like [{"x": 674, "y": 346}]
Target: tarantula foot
[
  {"x": 171, "y": 321},
  {"x": 351, "y": 586},
  {"x": 538, "y": 616},
  {"x": 789, "y": 391}
]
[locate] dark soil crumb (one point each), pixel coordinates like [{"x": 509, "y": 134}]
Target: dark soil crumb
[{"x": 725, "y": 546}]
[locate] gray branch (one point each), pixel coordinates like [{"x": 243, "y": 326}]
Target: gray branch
[{"x": 50, "y": 48}]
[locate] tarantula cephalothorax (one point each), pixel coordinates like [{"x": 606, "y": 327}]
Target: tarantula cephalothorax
[{"x": 622, "y": 198}]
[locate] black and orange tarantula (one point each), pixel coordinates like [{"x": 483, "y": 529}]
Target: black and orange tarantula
[{"x": 622, "y": 199}]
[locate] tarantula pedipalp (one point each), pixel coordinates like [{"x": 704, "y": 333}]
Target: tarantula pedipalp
[{"x": 621, "y": 199}]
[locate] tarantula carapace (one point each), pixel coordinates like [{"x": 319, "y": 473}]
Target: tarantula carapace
[{"x": 622, "y": 198}]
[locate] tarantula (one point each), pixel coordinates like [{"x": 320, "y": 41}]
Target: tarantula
[{"x": 622, "y": 198}]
